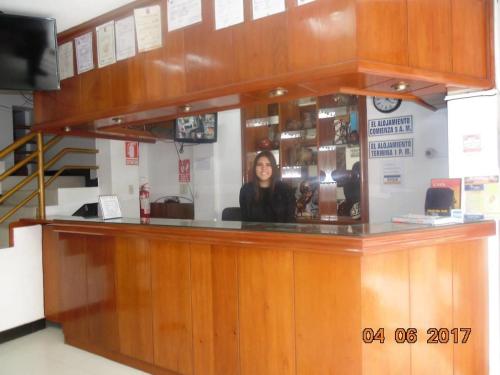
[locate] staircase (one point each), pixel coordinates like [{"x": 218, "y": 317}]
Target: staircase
[{"x": 30, "y": 210}]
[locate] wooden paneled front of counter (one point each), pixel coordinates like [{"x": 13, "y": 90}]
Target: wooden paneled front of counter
[{"x": 173, "y": 300}]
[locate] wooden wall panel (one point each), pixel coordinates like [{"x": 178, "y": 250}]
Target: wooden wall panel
[
  {"x": 74, "y": 286},
  {"x": 431, "y": 282},
  {"x": 382, "y": 33},
  {"x": 327, "y": 298},
  {"x": 173, "y": 64},
  {"x": 470, "y": 301},
  {"x": 133, "y": 298},
  {"x": 51, "y": 261},
  {"x": 266, "y": 312},
  {"x": 469, "y": 34},
  {"x": 386, "y": 304},
  {"x": 260, "y": 46},
  {"x": 96, "y": 91},
  {"x": 215, "y": 310},
  {"x": 209, "y": 53},
  {"x": 429, "y": 34},
  {"x": 101, "y": 292},
  {"x": 172, "y": 313},
  {"x": 314, "y": 29}
]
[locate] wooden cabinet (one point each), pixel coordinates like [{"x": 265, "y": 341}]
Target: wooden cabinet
[
  {"x": 172, "y": 210},
  {"x": 319, "y": 144},
  {"x": 311, "y": 50}
]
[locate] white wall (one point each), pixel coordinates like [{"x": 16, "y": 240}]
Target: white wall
[
  {"x": 21, "y": 279},
  {"x": 117, "y": 178},
  {"x": 72, "y": 158},
  {"x": 430, "y": 133}
]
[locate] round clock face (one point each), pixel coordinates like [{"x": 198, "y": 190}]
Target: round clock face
[{"x": 386, "y": 105}]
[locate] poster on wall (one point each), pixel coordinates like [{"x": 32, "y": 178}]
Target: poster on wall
[
  {"x": 84, "y": 54},
  {"x": 302, "y": 2},
  {"x": 182, "y": 13},
  {"x": 106, "y": 51},
  {"x": 148, "y": 28},
  {"x": 65, "y": 56},
  {"x": 131, "y": 153},
  {"x": 472, "y": 143},
  {"x": 184, "y": 170},
  {"x": 390, "y": 126},
  {"x": 125, "y": 38},
  {"x": 228, "y": 13},
  {"x": 264, "y": 8},
  {"x": 392, "y": 173},
  {"x": 396, "y": 148}
]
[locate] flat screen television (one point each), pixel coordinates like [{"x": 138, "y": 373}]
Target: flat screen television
[
  {"x": 196, "y": 129},
  {"x": 28, "y": 53}
]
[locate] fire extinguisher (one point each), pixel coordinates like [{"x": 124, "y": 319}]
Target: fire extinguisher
[{"x": 145, "y": 209}]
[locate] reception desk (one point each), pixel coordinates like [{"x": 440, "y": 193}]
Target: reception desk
[{"x": 217, "y": 298}]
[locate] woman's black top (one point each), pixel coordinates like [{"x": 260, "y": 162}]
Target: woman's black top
[{"x": 277, "y": 206}]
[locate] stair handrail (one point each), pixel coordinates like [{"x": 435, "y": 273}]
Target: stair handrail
[
  {"x": 40, "y": 173},
  {"x": 25, "y": 201}
]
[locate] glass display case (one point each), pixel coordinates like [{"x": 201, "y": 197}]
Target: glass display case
[{"x": 319, "y": 144}]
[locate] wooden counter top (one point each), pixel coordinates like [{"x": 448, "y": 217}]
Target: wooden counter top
[{"x": 208, "y": 298}]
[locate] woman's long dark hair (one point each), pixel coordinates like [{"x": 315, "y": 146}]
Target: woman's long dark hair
[{"x": 274, "y": 177}]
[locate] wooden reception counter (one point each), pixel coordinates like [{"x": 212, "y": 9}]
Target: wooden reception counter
[{"x": 212, "y": 298}]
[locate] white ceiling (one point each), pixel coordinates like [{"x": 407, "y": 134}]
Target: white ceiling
[{"x": 68, "y": 13}]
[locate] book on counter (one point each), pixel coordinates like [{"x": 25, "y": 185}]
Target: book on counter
[{"x": 426, "y": 219}]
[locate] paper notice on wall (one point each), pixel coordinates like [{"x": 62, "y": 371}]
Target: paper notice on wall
[
  {"x": 105, "y": 35},
  {"x": 264, "y": 8},
  {"x": 302, "y": 2},
  {"x": 131, "y": 153},
  {"x": 65, "y": 57},
  {"x": 390, "y": 126},
  {"x": 391, "y": 148},
  {"x": 228, "y": 13},
  {"x": 125, "y": 38},
  {"x": 148, "y": 28},
  {"x": 472, "y": 143},
  {"x": 184, "y": 171},
  {"x": 182, "y": 13},
  {"x": 84, "y": 53},
  {"x": 392, "y": 173}
]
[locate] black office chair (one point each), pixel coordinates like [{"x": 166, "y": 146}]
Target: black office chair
[
  {"x": 231, "y": 214},
  {"x": 438, "y": 201}
]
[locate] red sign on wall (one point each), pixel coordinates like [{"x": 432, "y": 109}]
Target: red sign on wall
[
  {"x": 131, "y": 153},
  {"x": 184, "y": 170}
]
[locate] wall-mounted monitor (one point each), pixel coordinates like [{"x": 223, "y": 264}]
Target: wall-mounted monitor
[
  {"x": 196, "y": 129},
  {"x": 28, "y": 53}
]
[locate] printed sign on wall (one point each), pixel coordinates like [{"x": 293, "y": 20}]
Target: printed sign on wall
[
  {"x": 390, "y": 126},
  {"x": 184, "y": 170},
  {"x": 131, "y": 153},
  {"x": 391, "y": 148}
]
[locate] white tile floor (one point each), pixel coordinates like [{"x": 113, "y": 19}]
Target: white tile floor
[{"x": 44, "y": 353}]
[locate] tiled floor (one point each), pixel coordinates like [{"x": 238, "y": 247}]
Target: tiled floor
[{"x": 44, "y": 353}]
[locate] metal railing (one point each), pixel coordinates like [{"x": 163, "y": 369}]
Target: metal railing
[{"x": 37, "y": 154}]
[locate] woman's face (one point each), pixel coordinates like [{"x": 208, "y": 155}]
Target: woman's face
[{"x": 264, "y": 171}]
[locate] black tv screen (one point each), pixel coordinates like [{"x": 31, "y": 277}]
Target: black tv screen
[
  {"x": 28, "y": 53},
  {"x": 196, "y": 129}
]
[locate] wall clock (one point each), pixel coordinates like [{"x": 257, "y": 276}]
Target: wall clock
[{"x": 386, "y": 105}]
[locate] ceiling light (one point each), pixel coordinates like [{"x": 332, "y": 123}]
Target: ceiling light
[
  {"x": 185, "y": 108},
  {"x": 67, "y": 129},
  {"x": 279, "y": 91},
  {"x": 400, "y": 86},
  {"x": 117, "y": 120}
]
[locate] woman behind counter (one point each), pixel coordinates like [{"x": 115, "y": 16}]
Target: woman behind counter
[{"x": 265, "y": 198}]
